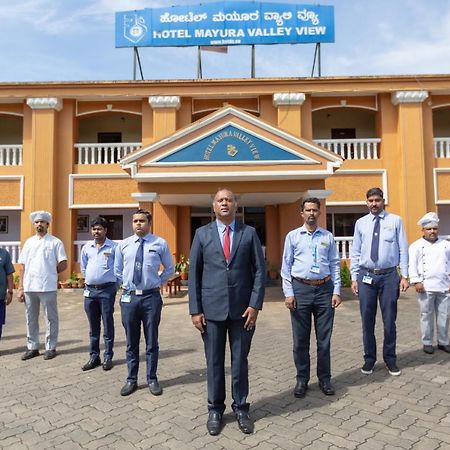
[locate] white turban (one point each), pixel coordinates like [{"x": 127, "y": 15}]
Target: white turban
[
  {"x": 430, "y": 218},
  {"x": 40, "y": 215}
]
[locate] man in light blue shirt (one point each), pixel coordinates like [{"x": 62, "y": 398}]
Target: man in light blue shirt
[
  {"x": 137, "y": 264},
  {"x": 311, "y": 284},
  {"x": 97, "y": 267},
  {"x": 379, "y": 247}
]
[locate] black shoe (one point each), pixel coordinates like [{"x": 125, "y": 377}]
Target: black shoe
[
  {"x": 107, "y": 364},
  {"x": 393, "y": 369},
  {"x": 367, "y": 368},
  {"x": 49, "y": 354},
  {"x": 128, "y": 388},
  {"x": 214, "y": 423},
  {"x": 244, "y": 422},
  {"x": 300, "y": 389},
  {"x": 326, "y": 387},
  {"x": 428, "y": 349},
  {"x": 91, "y": 364},
  {"x": 155, "y": 388},
  {"x": 30, "y": 354},
  {"x": 445, "y": 348}
]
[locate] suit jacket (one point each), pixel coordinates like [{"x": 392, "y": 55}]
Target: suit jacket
[{"x": 220, "y": 290}]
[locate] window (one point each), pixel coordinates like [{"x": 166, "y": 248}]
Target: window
[
  {"x": 342, "y": 224},
  {"x": 109, "y": 137}
]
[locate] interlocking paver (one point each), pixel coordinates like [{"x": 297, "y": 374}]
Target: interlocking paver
[{"x": 53, "y": 404}]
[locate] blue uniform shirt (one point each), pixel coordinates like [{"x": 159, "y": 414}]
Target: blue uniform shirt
[
  {"x": 221, "y": 230},
  {"x": 393, "y": 249},
  {"x": 304, "y": 250},
  {"x": 156, "y": 253},
  {"x": 6, "y": 268},
  {"x": 97, "y": 263}
]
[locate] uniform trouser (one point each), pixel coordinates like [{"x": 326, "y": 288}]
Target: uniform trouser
[
  {"x": 145, "y": 309},
  {"x": 434, "y": 304},
  {"x": 99, "y": 307},
  {"x": 33, "y": 301},
  {"x": 385, "y": 289},
  {"x": 2, "y": 315},
  {"x": 312, "y": 301},
  {"x": 214, "y": 339}
]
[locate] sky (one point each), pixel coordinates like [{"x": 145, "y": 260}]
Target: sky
[{"x": 73, "y": 40}]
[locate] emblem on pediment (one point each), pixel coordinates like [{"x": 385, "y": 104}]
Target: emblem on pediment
[{"x": 232, "y": 150}]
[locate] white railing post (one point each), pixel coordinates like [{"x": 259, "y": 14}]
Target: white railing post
[
  {"x": 103, "y": 153},
  {"x": 11, "y": 155},
  {"x": 344, "y": 246},
  {"x": 352, "y": 148},
  {"x": 441, "y": 147},
  {"x": 13, "y": 248}
]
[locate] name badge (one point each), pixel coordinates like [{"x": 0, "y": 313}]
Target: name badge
[
  {"x": 86, "y": 293},
  {"x": 126, "y": 298},
  {"x": 315, "y": 268},
  {"x": 367, "y": 279}
]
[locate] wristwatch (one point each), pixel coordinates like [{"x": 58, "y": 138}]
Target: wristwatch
[{"x": 9, "y": 291}]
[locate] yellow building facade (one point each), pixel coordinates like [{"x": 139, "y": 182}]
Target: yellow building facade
[{"x": 86, "y": 149}]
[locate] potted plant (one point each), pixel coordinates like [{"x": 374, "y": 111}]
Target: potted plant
[
  {"x": 273, "y": 271},
  {"x": 182, "y": 267}
]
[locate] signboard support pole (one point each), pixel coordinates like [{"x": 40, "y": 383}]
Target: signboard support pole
[
  {"x": 319, "y": 62},
  {"x": 253, "y": 62},
  {"x": 199, "y": 63},
  {"x": 137, "y": 61}
]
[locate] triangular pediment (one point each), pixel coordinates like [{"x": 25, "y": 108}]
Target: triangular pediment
[{"x": 230, "y": 137}]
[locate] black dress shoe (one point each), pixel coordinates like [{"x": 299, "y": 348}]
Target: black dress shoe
[
  {"x": 428, "y": 349},
  {"x": 155, "y": 388},
  {"x": 214, "y": 423},
  {"x": 107, "y": 364},
  {"x": 49, "y": 354},
  {"x": 91, "y": 364},
  {"x": 326, "y": 387},
  {"x": 30, "y": 354},
  {"x": 445, "y": 348},
  {"x": 244, "y": 422},
  {"x": 300, "y": 389},
  {"x": 128, "y": 388}
]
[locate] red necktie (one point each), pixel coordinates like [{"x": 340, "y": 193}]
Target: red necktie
[{"x": 226, "y": 243}]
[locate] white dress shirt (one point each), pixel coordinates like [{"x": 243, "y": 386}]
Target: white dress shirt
[{"x": 429, "y": 263}]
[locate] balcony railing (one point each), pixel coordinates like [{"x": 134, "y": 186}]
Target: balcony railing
[
  {"x": 344, "y": 246},
  {"x": 13, "y": 248},
  {"x": 104, "y": 153},
  {"x": 11, "y": 155},
  {"x": 352, "y": 148},
  {"x": 442, "y": 147}
]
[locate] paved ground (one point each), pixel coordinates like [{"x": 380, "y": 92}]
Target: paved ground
[{"x": 53, "y": 404}]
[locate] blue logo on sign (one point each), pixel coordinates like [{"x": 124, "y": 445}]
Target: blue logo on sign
[{"x": 134, "y": 28}]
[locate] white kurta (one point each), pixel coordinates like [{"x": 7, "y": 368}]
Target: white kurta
[{"x": 429, "y": 263}]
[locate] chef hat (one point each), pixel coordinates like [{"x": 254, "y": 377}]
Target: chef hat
[
  {"x": 40, "y": 215},
  {"x": 430, "y": 218}
]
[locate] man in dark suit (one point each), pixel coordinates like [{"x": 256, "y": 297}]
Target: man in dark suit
[{"x": 226, "y": 291}]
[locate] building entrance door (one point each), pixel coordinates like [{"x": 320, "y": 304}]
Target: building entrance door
[{"x": 115, "y": 227}]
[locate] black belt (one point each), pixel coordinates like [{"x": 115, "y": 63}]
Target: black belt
[
  {"x": 313, "y": 282},
  {"x": 379, "y": 271},
  {"x": 101, "y": 286},
  {"x": 145, "y": 291}
]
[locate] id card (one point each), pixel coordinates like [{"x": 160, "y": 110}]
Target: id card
[
  {"x": 126, "y": 298},
  {"x": 86, "y": 293},
  {"x": 315, "y": 268},
  {"x": 367, "y": 279}
]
